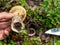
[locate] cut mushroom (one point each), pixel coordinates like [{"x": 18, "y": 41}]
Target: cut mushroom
[
  {"x": 20, "y": 11},
  {"x": 17, "y": 25},
  {"x": 17, "y": 21},
  {"x": 31, "y": 32}
]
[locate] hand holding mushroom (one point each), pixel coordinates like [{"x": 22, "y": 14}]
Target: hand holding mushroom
[
  {"x": 17, "y": 14},
  {"x": 5, "y": 22}
]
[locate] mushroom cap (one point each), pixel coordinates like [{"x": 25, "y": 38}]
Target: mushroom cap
[{"x": 20, "y": 11}]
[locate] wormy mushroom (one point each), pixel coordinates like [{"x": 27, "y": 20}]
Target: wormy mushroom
[
  {"x": 31, "y": 32},
  {"x": 17, "y": 21},
  {"x": 32, "y": 28}
]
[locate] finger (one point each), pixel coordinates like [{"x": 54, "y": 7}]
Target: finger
[
  {"x": 7, "y": 31},
  {"x": 1, "y": 34},
  {"x": 4, "y": 33},
  {"x": 4, "y": 20},
  {"x": 4, "y": 24},
  {"x": 10, "y": 15},
  {"x": 5, "y": 15}
]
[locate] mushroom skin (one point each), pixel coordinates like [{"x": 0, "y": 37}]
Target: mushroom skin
[
  {"x": 20, "y": 11},
  {"x": 20, "y": 15}
]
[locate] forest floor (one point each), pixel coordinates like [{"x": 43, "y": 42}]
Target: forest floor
[{"x": 40, "y": 38}]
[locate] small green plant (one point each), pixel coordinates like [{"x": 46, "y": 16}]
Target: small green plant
[
  {"x": 36, "y": 41},
  {"x": 23, "y": 32},
  {"x": 23, "y": 2},
  {"x": 50, "y": 10},
  {"x": 12, "y": 42},
  {"x": 26, "y": 41}
]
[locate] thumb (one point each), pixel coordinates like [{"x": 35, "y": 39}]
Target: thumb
[{"x": 5, "y": 15}]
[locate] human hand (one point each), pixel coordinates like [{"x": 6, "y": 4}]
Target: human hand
[{"x": 5, "y": 24}]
